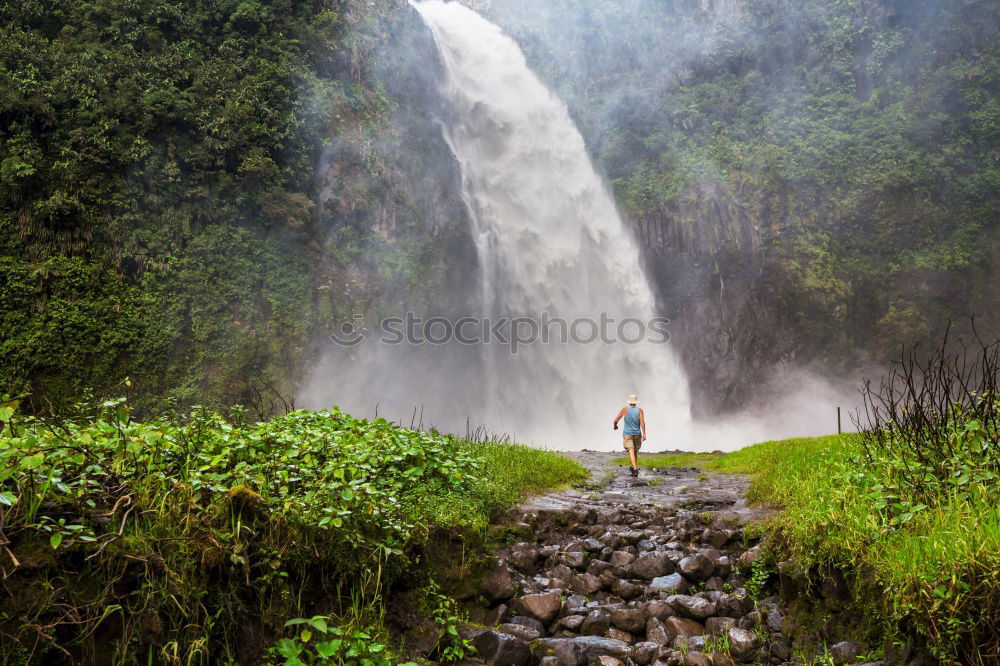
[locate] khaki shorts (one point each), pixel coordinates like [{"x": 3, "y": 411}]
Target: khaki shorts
[{"x": 632, "y": 442}]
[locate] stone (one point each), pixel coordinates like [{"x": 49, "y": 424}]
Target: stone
[
  {"x": 672, "y": 583},
  {"x": 716, "y": 538},
  {"x": 501, "y": 649},
  {"x": 524, "y": 560},
  {"x": 697, "y": 659},
  {"x": 574, "y": 602},
  {"x": 574, "y": 559},
  {"x": 774, "y": 621},
  {"x": 596, "y": 623},
  {"x": 495, "y": 616},
  {"x": 844, "y": 652},
  {"x": 543, "y": 607},
  {"x": 721, "y": 659},
  {"x": 688, "y": 643},
  {"x": 631, "y": 536},
  {"x": 729, "y": 606},
  {"x": 586, "y": 584},
  {"x": 606, "y": 660},
  {"x": 748, "y": 558},
  {"x": 644, "y": 653},
  {"x": 621, "y": 558},
  {"x": 597, "y": 567},
  {"x": 682, "y": 626},
  {"x": 560, "y": 571},
  {"x": 625, "y": 589},
  {"x": 750, "y": 620},
  {"x": 650, "y": 565},
  {"x": 564, "y": 650},
  {"x": 723, "y": 566},
  {"x": 549, "y": 660},
  {"x": 531, "y": 622},
  {"x": 659, "y": 609},
  {"x": 718, "y": 626},
  {"x": 596, "y": 646},
  {"x": 645, "y": 545},
  {"x": 526, "y": 634},
  {"x": 743, "y": 644},
  {"x": 696, "y": 567},
  {"x": 572, "y": 622},
  {"x": 692, "y": 607},
  {"x": 715, "y": 584},
  {"x": 592, "y": 545},
  {"x": 657, "y": 633},
  {"x": 628, "y": 619},
  {"x": 780, "y": 650},
  {"x": 497, "y": 586},
  {"x": 618, "y": 634}
]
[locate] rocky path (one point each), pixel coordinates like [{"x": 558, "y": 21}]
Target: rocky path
[{"x": 649, "y": 570}]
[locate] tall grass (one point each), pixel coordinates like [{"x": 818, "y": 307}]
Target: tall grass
[{"x": 933, "y": 565}]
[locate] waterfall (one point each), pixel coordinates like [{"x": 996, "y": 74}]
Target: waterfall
[{"x": 549, "y": 240}]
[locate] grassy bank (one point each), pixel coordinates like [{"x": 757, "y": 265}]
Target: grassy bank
[
  {"x": 930, "y": 562},
  {"x": 197, "y": 540}
]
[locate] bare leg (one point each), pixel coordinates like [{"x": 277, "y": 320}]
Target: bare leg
[{"x": 632, "y": 459}]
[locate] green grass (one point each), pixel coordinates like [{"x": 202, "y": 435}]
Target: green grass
[
  {"x": 935, "y": 565},
  {"x": 206, "y": 527},
  {"x": 672, "y": 461}
]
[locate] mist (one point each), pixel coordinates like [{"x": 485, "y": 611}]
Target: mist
[{"x": 635, "y": 80}]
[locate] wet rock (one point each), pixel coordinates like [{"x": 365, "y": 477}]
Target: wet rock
[
  {"x": 586, "y": 584},
  {"x": 524, "y": 560},
  {"x": 597, "y": 567},
  {"x": 574, "y": 602},
  {"x": 526, "y": 634},
  {"x": 672, "y": 583},
  {"x": 596, "y": 646},
  {"x": 717, "y": 538},
  {"x": 844, "y": 652},
  {"x": 625, "y": 589},
  {"x": 496, "y": 615},
  {"x": 565, "y": 650},
  {"x": 631, "y": 536},
  {"x": 774, "y": 621},
  {"x": 572, "y": 622},
  {"x": 696, "y": 567},
  {"x": 531, "y": 622},
  {"x": 650, "y": 565},
  {"x": 549, "y": 661},
  {"x": 501, "y": 649},
  {"x": 574, "y": 559},
  {"x": 692, "y": 607},
  {"x": 644, "y": 653},
  {"x": 621, "y": 559},
  {"x": 497, "y": 586},
  {"x": 721, "y": 659},
  {"x": 543, "y": 607},
  {"x": 728, "y": 605},
  {"x": 628, "y": 619},
  {"x": 715, "y": 584},
  {"x": 645, "y": 545},
  {"x": 682, "y": 626},
  {"x": 592, "y": 545},
  {"x": 688, "y": 643},
  {"x": 697, "y": 659},
  {"x": 656, "y": 632},
  {"x": 605, "y": 660},
  {"x": 718, "y": 626},
  {"x": 658, "y": 609},
  {"x": 596, "y": 623},
  {"x": 743, "y": 644},
  {"x": 560, "y": 572},
  {"x": 748, "y": 558},
  {"x": 750, "y": 620},
  {"x": 618, "y": 634},
  {"x": 723, "y": 566},
  {"x": 780, "y": 650}
]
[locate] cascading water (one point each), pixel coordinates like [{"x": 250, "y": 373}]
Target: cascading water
[{"x": 550, "y": 241}]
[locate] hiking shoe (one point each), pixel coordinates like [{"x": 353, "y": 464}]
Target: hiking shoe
[{"x": 634, "y": 471}]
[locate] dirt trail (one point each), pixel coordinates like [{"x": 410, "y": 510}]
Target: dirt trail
[{"x": 649, "y": 570}]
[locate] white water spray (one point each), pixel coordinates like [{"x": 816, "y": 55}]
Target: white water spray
[{"x": 549, "y": 240}]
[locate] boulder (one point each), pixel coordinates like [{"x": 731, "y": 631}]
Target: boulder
[
  {"x": 844, "y": 652},
  {"x": 656, "y": 632},
  {"x": 496, "y": 615},
  {"x": 718, "y": 626},
  {"x": 650, "y": 565},
  {"x": 596, "y": 623},
  {"x": 597, "y": 646},
  {"x": 618, "y": 634},
  {"x": 543, "y": 607},
  {"x": 565, "y": 650},
  {"x": 696, "y": 567},
  {"x": 501, "y": 649},
  {"x": 748, "y": 558},
  {"x": 644, "y": 653},
  {"x": 529, "y": 622},
  {"x": 572, "y": 622},
  {"x": 721, "y": 659},
  {"x": 743, "y": 644},
  {"x": 659, "y": 609},
  {"x": 524, "y": 560},
  {"x": 628, "y": 619},
  {"x": 605, "y": 660},
  {"x": 774, "y": 621},
  {"x": 574, "y": 559},
  {"x": 621, "y": 558},
  {"x": 497, "y": 586},
  {"x": 697, "y": 659},
  {"x": 692, "y": 607},
  {"x": 526, "y": 634},
  {"x": 688, "y": 643},
  {"x": 682, "y": 626},
  {"x": 586, "y": 584},
  {"x": 673, "y": 583},
  {"x": 625, "y": 589}
]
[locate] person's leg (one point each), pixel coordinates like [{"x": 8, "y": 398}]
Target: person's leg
[{"x": 632, "y": 458}]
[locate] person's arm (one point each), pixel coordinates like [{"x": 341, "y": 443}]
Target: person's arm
[
  {"x": 618, "y": 418},
  {"x": 642, "y": 423}
]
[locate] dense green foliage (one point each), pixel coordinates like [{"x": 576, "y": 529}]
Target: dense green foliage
[
  {"x": 161, "y": 192},
  {"x": 818, "y": 177},
  {"x": 200, "y": 539},
  {"x": 926, "y": 561}
]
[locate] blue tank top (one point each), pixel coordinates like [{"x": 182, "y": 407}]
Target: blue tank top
[{"x": 632, "y": 421}]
